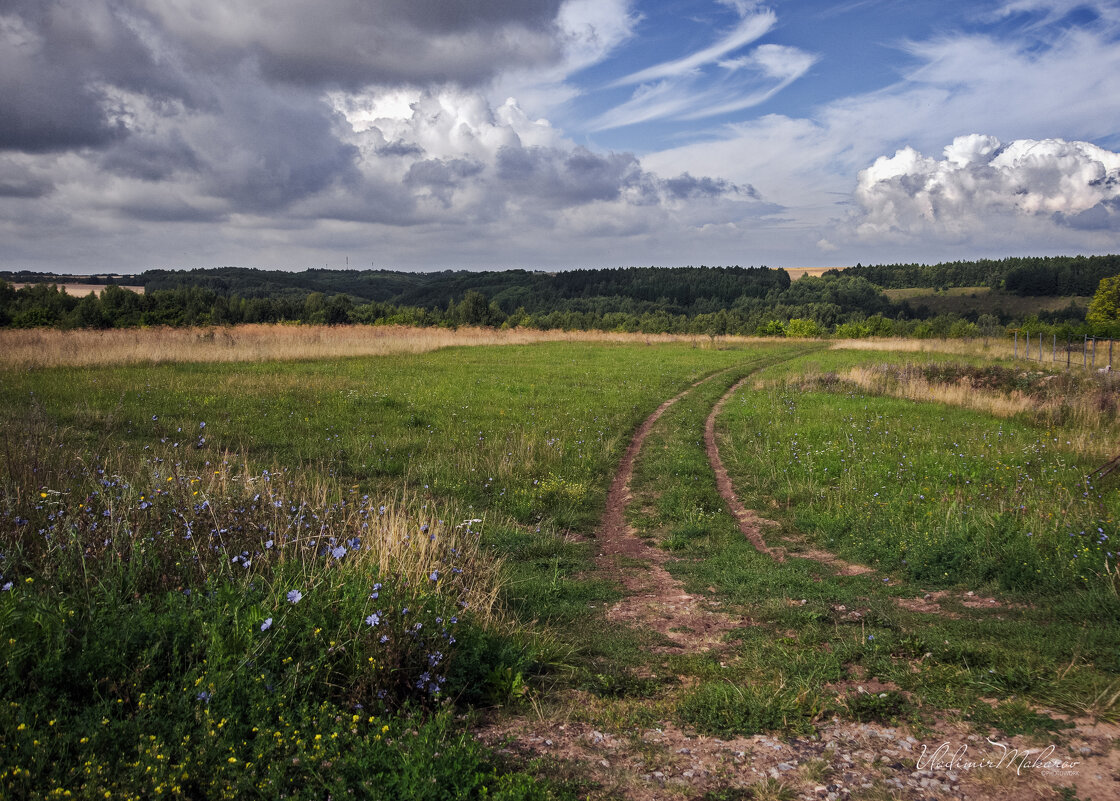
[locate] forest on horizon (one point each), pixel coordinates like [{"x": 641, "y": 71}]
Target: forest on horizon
[{"x": 854, "y": 301}]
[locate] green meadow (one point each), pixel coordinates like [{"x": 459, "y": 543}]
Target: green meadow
[{"x": 312, "y": 579}]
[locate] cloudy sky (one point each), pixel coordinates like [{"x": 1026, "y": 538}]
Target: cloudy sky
[{"x": 433, "y": 134}]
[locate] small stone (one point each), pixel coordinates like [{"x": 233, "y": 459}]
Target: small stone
[
  {"x": 785, "y": 767},
  {"x": 684, "y": 751},
  {"x": 548, "y": 742}
]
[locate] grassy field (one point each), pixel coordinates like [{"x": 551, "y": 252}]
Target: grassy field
[{"x": 317, "y": 576}]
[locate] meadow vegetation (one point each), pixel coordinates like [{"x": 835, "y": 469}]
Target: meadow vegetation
[
  {"x": 212, "y": 575},
  {"x": 305, "y": 577}
]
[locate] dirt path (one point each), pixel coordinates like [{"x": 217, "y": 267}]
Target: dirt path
[
  {"x": 655, "y": 601},
  {"x": 749, "y": 522}
]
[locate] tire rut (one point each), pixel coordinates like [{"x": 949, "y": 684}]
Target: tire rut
[
  {"x": 655, "y": 600},
  {"x": 749, "y": 522}
]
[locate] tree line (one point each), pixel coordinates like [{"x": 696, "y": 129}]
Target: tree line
[
  {"x": 1054, "y": 276},
  {"x": 691, "y": 300}
]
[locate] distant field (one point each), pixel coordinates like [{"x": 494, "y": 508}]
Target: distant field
[
  {"x": 981, "y": 299},
  {"x": 84, "y": 289},
  {"x": 801, "y": 272}
]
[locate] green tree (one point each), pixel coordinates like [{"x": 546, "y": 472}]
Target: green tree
[
  {"x": 1105, "y": 305},
  {"x": 801, "y": 327}
]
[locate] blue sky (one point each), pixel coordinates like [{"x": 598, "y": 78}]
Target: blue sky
[{"x": 425, "y": 134}]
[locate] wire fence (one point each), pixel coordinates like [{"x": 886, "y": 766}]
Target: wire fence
[{"x": 1091, "y": 353}]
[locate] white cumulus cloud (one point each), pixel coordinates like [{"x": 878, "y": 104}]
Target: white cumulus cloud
[{"x": 981, "y": 183}]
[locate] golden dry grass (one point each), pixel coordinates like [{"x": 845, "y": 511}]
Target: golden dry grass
[
  {"x": 801, "y": 272},
  {"x": 44, "y": 347},
  {"x": 1089, "y": 427},
  {"x": 996, "y": 348},
  {"x": 960, "y": 394},
  {"x": 1002, "y": 347}
]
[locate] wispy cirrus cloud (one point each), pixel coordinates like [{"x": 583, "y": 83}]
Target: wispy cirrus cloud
[
  {"x": 717, "y": 79},
  {"x": 748, "y": 30}
]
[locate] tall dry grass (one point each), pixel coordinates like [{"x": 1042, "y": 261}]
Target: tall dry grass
[
  {"x": 876, "y": 380},
  {"x": 45, "y": 347},
  {"x": 994, "y": 348},
  {"x": 1002, "y": 347},
  {"x": 1086, "y": 411}
]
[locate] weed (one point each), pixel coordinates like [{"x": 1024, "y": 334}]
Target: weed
[
  {"x": 1014, "y": 718},
  {"x": 887, "y": 707},
  {"x": 724, "y": 709},
  {"x": 771, "y": 789}
]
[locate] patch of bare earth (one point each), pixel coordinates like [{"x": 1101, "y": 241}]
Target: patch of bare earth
[{"x": 845, "y": 760}]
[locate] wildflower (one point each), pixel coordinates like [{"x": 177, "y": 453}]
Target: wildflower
[
  {"x": 204, "y": 696},
  {"x": 202, "y": 425},
  {"x": 268, "y": 544},
  {"x": 294, "y": 596},
  {"x": 373, "y": 619},
  {"x": 384, "y": 639},
  {"x": 7, "y": 587},
  {"x": 434, "y": 576},
  {"x": 267, "y": 624},
  {"x": 338, "y": 552}
]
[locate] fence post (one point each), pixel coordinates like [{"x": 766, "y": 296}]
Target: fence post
[
  {"x": 1069, "y": 349},
  {"x": 1084, "y": 350}
]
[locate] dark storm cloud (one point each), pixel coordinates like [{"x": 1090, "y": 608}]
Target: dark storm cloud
[
  {"x": 269, "y": 149},
  {"x": 357, "y": 43},
  {"x": 151, "y": 160},
  {"x": 64, "y": 62},
  {"x": 54, "y": 59},
  {"x": 399, "y": 147},
  {"x": 170, "y": 212},
  {"x": 18, "y": 182},
  {"x": 569, "y": 177},
  {"x": 1105, "y": 216},
  {"x": 442, "y": 172},
  {"x": 685, "y": 186},
  {"x": 441, "y": 177},
  {"x": 575, "y": 177}
]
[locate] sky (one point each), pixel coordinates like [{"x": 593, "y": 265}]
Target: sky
[{"x": 554, "y": 134}]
